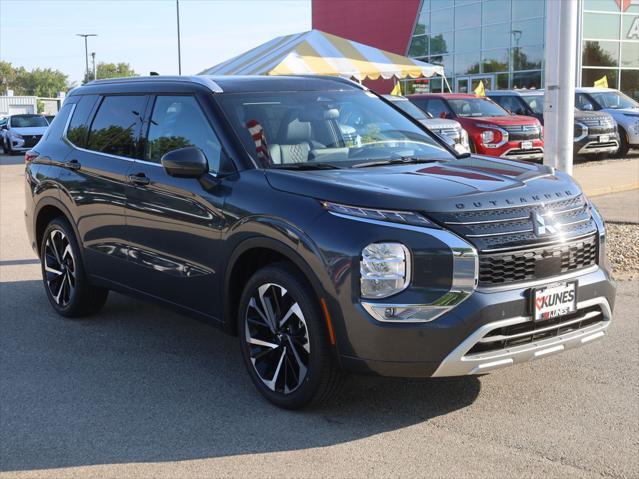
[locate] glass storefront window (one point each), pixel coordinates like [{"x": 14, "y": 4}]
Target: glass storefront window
[
  {"x": 421, "y": 27},
  {"x": 601, "y": 26},
  {"x": 528, "y": 9},
  {"x": 630, "y": 27},
  {"x": 528, "y": 80},
  {"x": 495, "y": 36},
  {"x": 441, "y": 43},
  {"x": 601, "y": 5},
  {"x": 418, "y": 46},
  {"x": 527, "y": 58},
  {"x": 590, "y": 75},
  {"x": 467, "y": 40},
  {"x": 495, "y": 61},
  {"x": 495, "y": 11},
  {"x": 529, "y": 32},
  {"x": 441, "y": 20},
  {"x": 467, "y": 16},
  {"x": 501, "y": 81},
  {"x": 630, "y": 55},
  {"x": 600, "y": 54},
  {"x": 444, "y": 60},
  {"x": 630, "y": 83},
  {"x": 467, "y": 63}
]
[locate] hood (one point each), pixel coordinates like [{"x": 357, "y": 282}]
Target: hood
[
  {"x": 440, "y": 123},
  {"x": 591, "y": 114},
  {"x": 30, "y": 130},
  {"x": 504, "y": 120},
  {"x": 633, "y": 112},
  {"x": 477, "y": 182}
]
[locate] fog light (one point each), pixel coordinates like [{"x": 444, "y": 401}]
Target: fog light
[{"x": 384, "y": 269}]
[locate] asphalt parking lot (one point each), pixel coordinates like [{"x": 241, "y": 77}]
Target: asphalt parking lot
[{"x": 139, "y": 391}]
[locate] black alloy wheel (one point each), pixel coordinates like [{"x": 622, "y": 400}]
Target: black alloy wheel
[
  {"x": 284, "y": 341},
  {"x": 65, "y": 281}
]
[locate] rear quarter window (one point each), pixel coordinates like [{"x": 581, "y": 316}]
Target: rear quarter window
[
  {"x": 56, "y": 129},
  {"x": 79, "y": 127}
]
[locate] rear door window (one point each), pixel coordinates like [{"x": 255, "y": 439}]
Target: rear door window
[
  {"x": 178, "y": 122},
  {"x": 116, "y": 126}
]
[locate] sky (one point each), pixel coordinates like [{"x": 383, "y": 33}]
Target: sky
[{"x": 42, "y": 33}]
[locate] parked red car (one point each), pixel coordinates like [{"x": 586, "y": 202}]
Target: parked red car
[{"x": 492, "y": 130}]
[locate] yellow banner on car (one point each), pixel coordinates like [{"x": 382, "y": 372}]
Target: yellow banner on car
[
  {"x": 319, "y": 53},
  {"x": 602, "y": 82},
  {"x": 480, "y": 90}
]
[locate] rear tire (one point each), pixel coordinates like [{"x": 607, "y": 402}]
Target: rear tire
[
  {"x": 63, "y": 275},
  {"x": 283, "y": 339}
]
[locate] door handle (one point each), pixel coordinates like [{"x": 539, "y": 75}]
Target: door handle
[
  {"x": 73, "y": 164},
  {"x": 139, "y": 179}
]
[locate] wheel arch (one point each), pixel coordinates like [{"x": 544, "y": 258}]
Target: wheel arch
[
  {"x": 48, "y": 209},
  {"x": 249, "y": 256}
]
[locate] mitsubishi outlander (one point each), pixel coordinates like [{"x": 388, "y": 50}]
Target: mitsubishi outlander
[{"x": 240, "y": 202}]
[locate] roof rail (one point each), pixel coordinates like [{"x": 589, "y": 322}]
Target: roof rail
[{"x": 202, "y": 80}]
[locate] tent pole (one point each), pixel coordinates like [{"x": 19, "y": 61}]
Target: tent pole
[{"x": 447, "y": 84}]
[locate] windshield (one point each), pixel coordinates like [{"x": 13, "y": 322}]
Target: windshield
[
  {"x": 26, "y": 121},
  {"x": 475, "y": 107},
  {"x": 535, "y": 102},
  {"x": 410, "y": 108},
  {"x": 341, "y": 128},
  {"x": 614, "y": 100}
]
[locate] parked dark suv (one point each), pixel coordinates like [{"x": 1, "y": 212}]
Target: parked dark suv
[
  {"x": 595, "y": 132},
  {"x": 241, "y": 201}
]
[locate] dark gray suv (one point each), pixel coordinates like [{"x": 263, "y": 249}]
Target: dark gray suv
[{"x": 317, "y": 222}]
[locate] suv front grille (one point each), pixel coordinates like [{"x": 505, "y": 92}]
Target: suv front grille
[
  {"x": 538, "y": 263},
  {"x": 513, "y": 246},
  {"x": 31, "y": 140},
  {"x": 523, "y": 132},
  {"x": 602, "y": 122},
  {"x": 531, "y": 331}
]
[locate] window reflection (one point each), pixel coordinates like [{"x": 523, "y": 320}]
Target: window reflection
[
  {"x": 596, "y": 53},
  {"x": 527, "y": 58},
  {"x": 495, "y": 11},
  {"x": 441, "y": 43},
  {"x": 597, "y": 25}
]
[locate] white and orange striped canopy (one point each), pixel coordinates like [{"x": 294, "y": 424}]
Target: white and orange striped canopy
[{"x": 318, "y": 53}]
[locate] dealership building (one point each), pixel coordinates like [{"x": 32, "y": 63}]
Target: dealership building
[{"x": 498, "y": 42}]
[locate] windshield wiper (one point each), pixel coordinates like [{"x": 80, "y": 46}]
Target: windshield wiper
[
  {"x": 401, "y": 160},
  {"x": 306, "y": 166}
]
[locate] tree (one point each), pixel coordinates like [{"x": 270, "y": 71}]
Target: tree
[
  {"x": 112, "y": 70},
  {"x": 38, "y": 82}
]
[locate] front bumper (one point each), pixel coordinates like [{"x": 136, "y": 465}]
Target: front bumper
[
  {"x": 590, "y": 145},
  {"x": 443, "y": 347},
  {"x": 513, "y": 150}
]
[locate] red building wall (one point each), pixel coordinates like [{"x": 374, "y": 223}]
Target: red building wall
[{"x": 385, "y": 24}]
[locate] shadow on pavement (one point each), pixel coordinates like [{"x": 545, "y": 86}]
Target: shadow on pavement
[
  {"x": 137, "y": 383},
  {"x": 17, "y": 159}
]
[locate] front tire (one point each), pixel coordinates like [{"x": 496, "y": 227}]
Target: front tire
[
  {"x": 624, "y": 147},
  {"x": 65, "y": 280},
  {"x": 284, "y": 341}
]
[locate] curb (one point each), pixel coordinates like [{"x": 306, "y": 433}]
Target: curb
[{"x": 606, "y": 190}]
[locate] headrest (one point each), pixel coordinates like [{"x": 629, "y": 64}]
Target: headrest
[{"x": 298, "y": 132}]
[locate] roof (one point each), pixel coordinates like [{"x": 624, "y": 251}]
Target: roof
[
  {"x": 219, "y": 84},
  {"x": 592, "y": 89},
  {"x": 444, "y": 95},
  {"x": 518, "y": 92},
  {"x": 317, "y": 52}
]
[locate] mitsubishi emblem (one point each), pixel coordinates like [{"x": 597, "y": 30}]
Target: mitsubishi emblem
[{"x": 540, "y": 227}]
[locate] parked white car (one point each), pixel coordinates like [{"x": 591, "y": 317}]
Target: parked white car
[
  {"x": 440, "y": 126},
  {"x": 22, "y": 132},
  {"x": 623, "y": 109}
]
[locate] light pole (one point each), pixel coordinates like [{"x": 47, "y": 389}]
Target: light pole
[
  {"x": 86, "y": 50},
  {"x": 95, "y": 73},
  {"x": 177, "y": 8}
]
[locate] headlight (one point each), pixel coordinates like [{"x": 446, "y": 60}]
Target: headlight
[
  {"x": 406, "y": 217},
  {"x": 464, "y": 136},
  {"x": 601, "y": 227},
  {"x": 13, "y": 134},
  {"x": 384, "y": 269},
  {"x": 487, "y": 136}
]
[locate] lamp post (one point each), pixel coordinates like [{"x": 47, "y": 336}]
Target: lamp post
[
  {"x": 516, "y": 58},
  {"x": 95, "y": 73},
  {"x": 177, "y": 9},
  {"x": 86, "y": 50}
]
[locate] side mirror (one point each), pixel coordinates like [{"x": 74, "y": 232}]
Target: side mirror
[{"x": 188, "y": 162}]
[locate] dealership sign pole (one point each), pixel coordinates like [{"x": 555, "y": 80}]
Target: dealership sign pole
[{"x": 561, "y": 66}]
